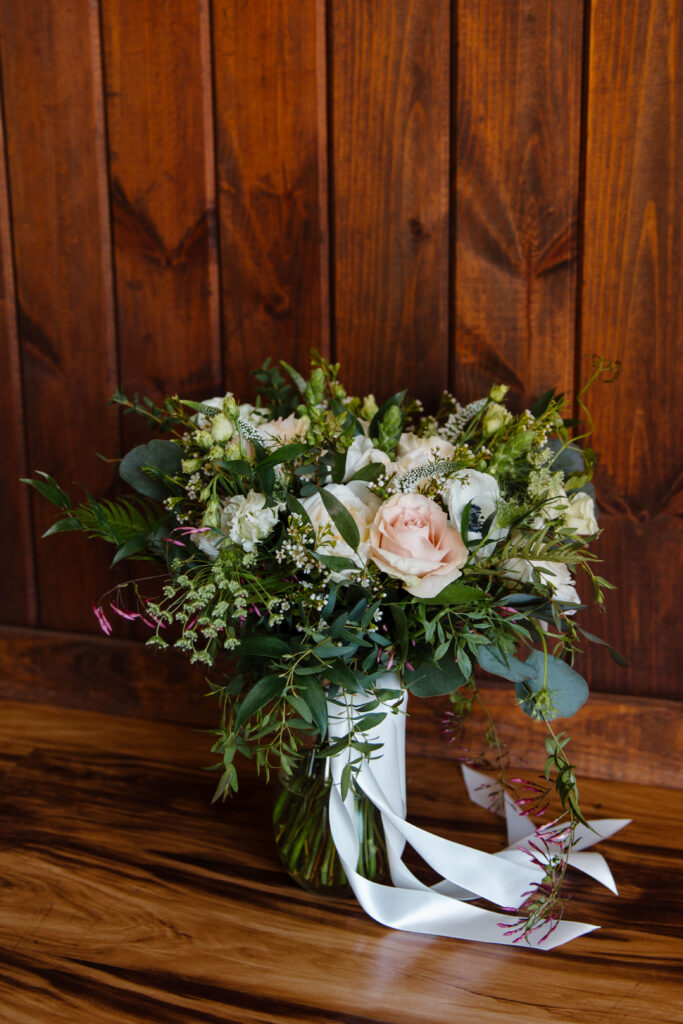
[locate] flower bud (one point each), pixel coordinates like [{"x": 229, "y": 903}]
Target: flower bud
[
  {"x": 369, "y": 407},
  {"x": 498, "y": 392},
  {"x": 221, "y": 428},
  {"x": 495, "y": 417},
  {"x": 190, "y": 465},
  {"x": 230, "y": 406}
]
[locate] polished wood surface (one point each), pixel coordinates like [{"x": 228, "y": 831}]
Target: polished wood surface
[
  {"x": 458, "y": 192},
  {"x": 127, "y": 897}
]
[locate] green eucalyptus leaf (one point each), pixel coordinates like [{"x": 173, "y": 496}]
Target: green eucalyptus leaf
[
  {"x": 164, "y": 456},
  {"x": 568, "y": 690},
  {"x": 434, "y": 680},
  {"x": 492, "y": 660},
  {"x": 261, "y": 647}
]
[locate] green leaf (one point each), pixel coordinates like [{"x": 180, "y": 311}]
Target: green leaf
[
  {"x": 430, "y": 680},
  {"x": 568, "y": 690},
  {"x": 567, "y": 457},
  {"x": 346, "y": 779},
  {"x": 296, "y": 508},
  {"x": 314, "y": 695},
  {"x": 68, "y": 525},
  {"x": 49, "y": 489},
  {"x": 300, "y": 706},
  {"x": 287, "y": 453},
  {"x": 261, "y": 647},
  {"x": 131, "y": 547},
  {"x": 619, "y": 658},
  {"x": 371, "y": 721},
  {"x": 164, "y": 456},
  {"x": 341, "y": 517},
  {"x": 457, "y": 593},
  {"x": 262, "y": 693},
  {"x": 371, "y": 472},
  {"x": 400, "y": 628},
  {"x": 335, "y": 562},
  {"x": 296, "y": 377},
  {"x": 542, "y": 403},
  {"x": 492, "y": 660}
]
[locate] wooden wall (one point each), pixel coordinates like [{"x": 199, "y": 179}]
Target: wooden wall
[{"x": 433, "y": 193}]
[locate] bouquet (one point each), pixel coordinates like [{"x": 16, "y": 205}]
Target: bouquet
[{"x": 324, "y": 556}]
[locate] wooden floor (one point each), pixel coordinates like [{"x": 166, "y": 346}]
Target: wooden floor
[{"x": 127, "y": 897}]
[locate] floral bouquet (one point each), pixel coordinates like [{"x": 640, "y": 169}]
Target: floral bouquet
[{"x": 324, "y": 557}]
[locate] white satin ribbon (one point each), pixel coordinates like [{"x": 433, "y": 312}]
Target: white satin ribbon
[{"x": 504, "y": 878}]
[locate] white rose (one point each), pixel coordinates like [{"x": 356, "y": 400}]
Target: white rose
[
  {"x": 580, "y": 516},
  {"x": 483, "y": 491},
  {"x": 555, "y": 574},
  {"x": 361, "y": 504},
  {"x": 362, "y": 453},
  {"x": 414, "y": 452}
]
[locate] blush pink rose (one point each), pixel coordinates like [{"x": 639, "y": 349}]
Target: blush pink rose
[{"x": 410, "y": 539}]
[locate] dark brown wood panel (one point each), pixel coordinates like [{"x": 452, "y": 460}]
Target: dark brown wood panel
[
  {"x": 270, "y": 137},
  {"x": 18, "y": 602},
  {"x": 623, "y": 738},
  {"x": 162, "y": 178},
  {"x": 516, "y": 178},
  {"x": 51, "y": 66},
  {"x": 390, "y": 87},
  {"x": 154, "y": 906},
  {"x": 633, "y": 311}
]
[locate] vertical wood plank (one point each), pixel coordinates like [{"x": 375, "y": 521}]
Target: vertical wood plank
[
  {"x": 18, "y": 603},
  {"x": 516, "y": 174},
  {"x": 162, "y": 177},
  {"x": 390, "y": 87},
  {"x": 270, "y": 136},
  {"x": 55, "y": 134},
  {"x": 633, "y": 311}
]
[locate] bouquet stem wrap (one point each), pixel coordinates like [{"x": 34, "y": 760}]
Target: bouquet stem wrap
[{"x": 504, "y": 879}]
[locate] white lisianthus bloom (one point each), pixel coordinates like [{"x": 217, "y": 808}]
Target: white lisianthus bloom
[
  {"x": 413, "y": 452},
  {"x": 580, "y": 515},
  {"x": 555, "y": 574},
  {"x": 253, "y": 414},
  {"x": 201, "y": 419},
  {"x": 362, "y": 505},
  {"x": 362, "y": 453},
  {"x": 483, "y": 491}
]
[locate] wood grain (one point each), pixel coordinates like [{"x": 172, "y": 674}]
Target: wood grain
[
  {"x": 622, "y": 738},
  {"x": 155, "y": 906},
  {"x": 390, "y": 79},
  {"x": 633, "y": 311},
  {"x": 18, "y": 604},
  {"x": 516, "y": 177},
  {"x": 52, "y": 85},
  {"x": 162, "y": 179},
  {"x": 272, "y": 178}
]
